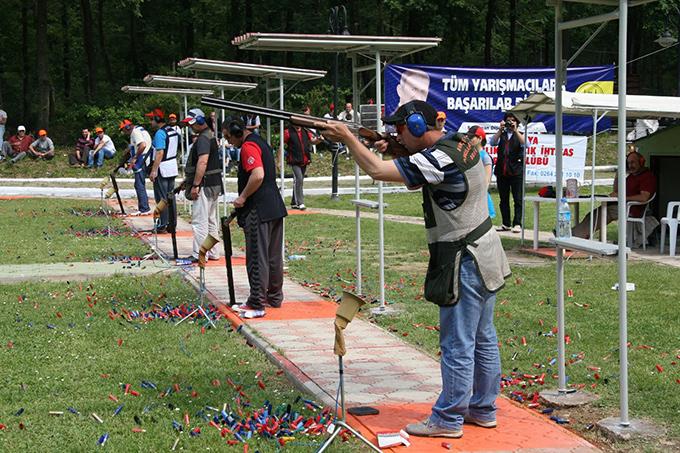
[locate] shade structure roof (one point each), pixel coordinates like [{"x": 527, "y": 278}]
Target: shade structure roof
[
  {"x": 173, "y": 81},
  {"x": 587, "y": 103},
  {"x": 250, "y": 69},
  {"x": 396, "y": 45},
  {"x": 159, "y": 90}
]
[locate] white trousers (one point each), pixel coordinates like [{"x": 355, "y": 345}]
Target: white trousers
[{"x": 204, "y": 222}]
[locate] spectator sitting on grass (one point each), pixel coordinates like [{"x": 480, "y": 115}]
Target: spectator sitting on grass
[
  {"x": 16, "y": 147},
  {"x": 42, "y": 148},
  {"x": 82, "y": 149},
  {"x": 103, "y": 149}
]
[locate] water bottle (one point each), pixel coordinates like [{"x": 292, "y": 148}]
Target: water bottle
[
  {"x": 296, "y": 257},
  {"x": 563, "y": 219}
]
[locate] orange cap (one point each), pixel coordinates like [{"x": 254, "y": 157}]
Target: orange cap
[
  {"x": 98, "y": 130},
  {"x": 156, "y": 113},
  {"x": 125, "y": 123},
  {"x": 172, "y": 115},
  {"x": 441, "y": 115},
  {"x": 42, "y": 133}
]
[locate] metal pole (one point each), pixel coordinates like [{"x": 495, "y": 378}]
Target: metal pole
[
  {"x": 524, "y": 178},
  {"x": 381, "y": 211},
  {"x": 334, "y": 170},
  {"x": 224, "y": 165},
  {"x": 621, "y": 171},
  {"x": 269, "y": 103},
  {"x": 188, "y": 129},
  {"x": 559, "y": 81},
  {"x": 281, "y": 106},
  {"x": 592, "y": 175},
  {"x": 357, "y": 188}
]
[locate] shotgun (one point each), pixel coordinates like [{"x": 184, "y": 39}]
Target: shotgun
[{"x": 394, "y": 148}]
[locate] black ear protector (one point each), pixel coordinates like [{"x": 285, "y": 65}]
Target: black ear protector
[
  {"x": 158, "y": 119},
  {"x": 415, "y": 121},
  {"x": 236, "y": 129}
]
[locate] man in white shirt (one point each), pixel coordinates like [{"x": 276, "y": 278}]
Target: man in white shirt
[
  {"x": 103, "y": 149},
  {"x": 140, "y": 143},
  {"x": 3, "y": 123},
  {"x": 349, "y": 115}
]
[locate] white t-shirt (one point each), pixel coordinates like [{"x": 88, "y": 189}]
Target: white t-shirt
[
  {"x": 108, "y": 143},
  {"x": 138, "y": 136}
]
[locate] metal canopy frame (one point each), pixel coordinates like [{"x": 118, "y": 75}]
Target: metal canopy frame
[
  {"x": 560, "y": 78},
  {"x": 222, "y": 85},
  {"x": 373, "y": 49},
  {"x": 267, "y": 72}
]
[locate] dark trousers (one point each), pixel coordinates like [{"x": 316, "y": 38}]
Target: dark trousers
[
  {"x": 161, "y": 188},
  {"x": 140, "y": 189},
  {"x": 264, "y": 261},
  {"x": 505, "y": 185}
]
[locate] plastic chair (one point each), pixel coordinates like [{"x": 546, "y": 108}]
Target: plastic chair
[
  {"x": 672, "y": 222},
  {"x": 640, "y": 220}
]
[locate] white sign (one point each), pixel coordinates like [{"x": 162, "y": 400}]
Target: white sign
[{"x": 540, "y": 157}]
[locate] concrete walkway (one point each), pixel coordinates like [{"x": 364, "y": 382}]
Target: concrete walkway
[{"x": 381, "y": 370}]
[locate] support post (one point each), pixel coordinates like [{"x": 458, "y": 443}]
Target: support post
[
  {"x": 224, "y": 163},
  {"x": 357, "y": 183},
  {"x": 283, "y": 177},
  {"x": 621, "y": 171},
  {"x": 559, "y": 82},
  {"x": 381, "y": 205}
]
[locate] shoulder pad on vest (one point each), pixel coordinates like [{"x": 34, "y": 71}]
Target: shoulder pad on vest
[{"x": 458, "y": 148}]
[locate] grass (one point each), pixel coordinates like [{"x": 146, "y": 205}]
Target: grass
[
  {"x": 525, "y": 308},
  {"x": 55, "y": 168},
  {"x": 40, "y": 230},
  {"x": 84, "y": 356},
  {"x": 409, "y": 204}
]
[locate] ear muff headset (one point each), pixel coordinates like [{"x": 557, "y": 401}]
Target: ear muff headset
[
  {"x": 415, "y": 121},
  {"x": 235, "y": 129},
  {"x": 200, "y": 120}
]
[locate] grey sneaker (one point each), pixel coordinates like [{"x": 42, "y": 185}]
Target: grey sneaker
[
  {"x": 483, "y": 423},
  {"x": 503, "y": 228},
  {"x": 429, "y": 429},
  {"x": 517, "y": 229}
]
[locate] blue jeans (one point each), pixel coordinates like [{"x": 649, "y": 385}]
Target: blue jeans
[
  {"x": 101, "y": 155},
  {"x": 470, "y": 361},
  {"x": 140, "y": 188}
]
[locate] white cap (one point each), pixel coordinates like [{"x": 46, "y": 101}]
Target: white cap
[{"x": 21, "y": 128}]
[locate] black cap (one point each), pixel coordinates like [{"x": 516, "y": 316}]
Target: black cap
[
  {"x": 399, "y": 117},
  {"x": 510, "y": 115}
]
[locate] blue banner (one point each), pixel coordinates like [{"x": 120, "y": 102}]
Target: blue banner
[{"x": 482, "y": 95}]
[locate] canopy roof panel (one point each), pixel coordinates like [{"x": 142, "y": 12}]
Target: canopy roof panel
[
  {"x": 398, "y": 45},
  {"x": 158, "y": 90},
  {"x": 155, "y": 79},
  {"x": 586, "y": 103},
  {"x": 249, "y": 69}
]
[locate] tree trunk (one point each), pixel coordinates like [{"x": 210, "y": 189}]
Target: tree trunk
[
  {"x": 513, "y": 32},
  {"x": 104, "y": 52},
  {"x": 188, "y": 29},
  {"x": 66, "y": 52},
  {"x": 42, "y": 64},
  {"x": 136, "y": 68},
  {"x": 488, "y": 30},
  {"x": 88, "y": 45},
  {"x": 24, "y": 62}
]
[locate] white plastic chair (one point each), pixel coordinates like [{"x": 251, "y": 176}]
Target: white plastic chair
[
  {"x": 640, "y": 220},
  {"x": 672, "y": 222}
]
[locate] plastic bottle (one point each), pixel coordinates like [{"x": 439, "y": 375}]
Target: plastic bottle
[
  {"x": 296, "y": 257},
  {"x": 563, "y": 220}
]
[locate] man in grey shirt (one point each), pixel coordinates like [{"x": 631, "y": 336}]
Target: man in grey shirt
[{"x": 42, "y": 148}]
